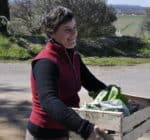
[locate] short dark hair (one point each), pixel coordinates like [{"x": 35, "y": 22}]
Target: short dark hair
[{"x": 56, "y": 16}]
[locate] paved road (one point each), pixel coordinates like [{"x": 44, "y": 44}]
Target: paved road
[
  {"x": 15, "y": 92},
  {"x": 135, "y": 80}
]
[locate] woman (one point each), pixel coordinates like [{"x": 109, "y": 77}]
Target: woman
[{"x": 57, "y": 75}]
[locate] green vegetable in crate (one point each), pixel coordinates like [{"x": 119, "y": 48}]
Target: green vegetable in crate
[
  {"x": 102, "y": 96},
  {"x": 110, "y": 99},
  {"x": 113, "y": 92},
  {"x": 95, "y": 95}
]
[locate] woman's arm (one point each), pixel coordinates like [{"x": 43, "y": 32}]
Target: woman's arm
[{"x": 89, "y": 81}]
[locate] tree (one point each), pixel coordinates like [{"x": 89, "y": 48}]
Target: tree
[
  {"x": 94, "y": 17},
  {"x": 4, "y": 16},
  {"x": 22, "y": 16}
]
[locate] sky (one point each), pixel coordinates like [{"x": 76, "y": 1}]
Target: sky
[{"x": 144, "y": 3}]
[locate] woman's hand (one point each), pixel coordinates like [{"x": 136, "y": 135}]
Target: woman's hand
[{"x": 97, "y": 134}]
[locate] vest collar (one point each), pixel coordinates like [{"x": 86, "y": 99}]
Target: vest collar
[{"x": 52, "y": 44}]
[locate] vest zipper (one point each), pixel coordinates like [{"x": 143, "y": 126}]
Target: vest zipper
[{"x": 71, "y": 63}]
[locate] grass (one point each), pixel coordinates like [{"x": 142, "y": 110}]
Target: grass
[
  {"x": 145, "y": 51},
  {"x": 129, "y": 25},
  {"x": 146, "y": 37},
  {"x": 10, "y": 50},
  {"x": 114, "y": 61},
  {"x": 4, "y": 42}
]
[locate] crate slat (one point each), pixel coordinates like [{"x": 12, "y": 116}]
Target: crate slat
[
  {"x": 104, "y": 119},
  {"x": 135, "y": 119},
  {"x": 74, "y": 136},
  {"x": 138, "y": 131}
]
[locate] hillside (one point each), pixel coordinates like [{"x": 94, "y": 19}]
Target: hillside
[
  {"x": 129, "y": 25},
  {"x": 129, "y": 10}
]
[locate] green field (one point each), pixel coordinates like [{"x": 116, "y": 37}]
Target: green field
[{"x": 129, "y": 25}]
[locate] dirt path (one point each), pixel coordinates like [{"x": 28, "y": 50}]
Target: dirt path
[{"x": 15, "y": 97}]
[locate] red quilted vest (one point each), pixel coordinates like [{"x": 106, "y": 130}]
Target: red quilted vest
[{"x": 68, "y": 86}]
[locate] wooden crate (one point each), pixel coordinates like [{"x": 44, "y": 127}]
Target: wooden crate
[{"x": 124, "y": 128}]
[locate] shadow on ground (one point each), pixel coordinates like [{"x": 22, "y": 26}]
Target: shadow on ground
[
  {"x": 12, "y": 89},
  {"x": 14, "y": 113},
  {"x": 5, "y": 88}
]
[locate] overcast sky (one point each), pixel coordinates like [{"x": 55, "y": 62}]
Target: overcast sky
[{"x": 145, "y": 3}]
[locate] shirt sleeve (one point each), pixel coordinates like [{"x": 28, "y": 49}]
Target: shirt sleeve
[
  {"x": 88, "y": 80},
  {"x": 46, "y": 74}
]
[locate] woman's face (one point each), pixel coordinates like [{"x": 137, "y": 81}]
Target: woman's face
[{"x": 66, "y": 34}]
